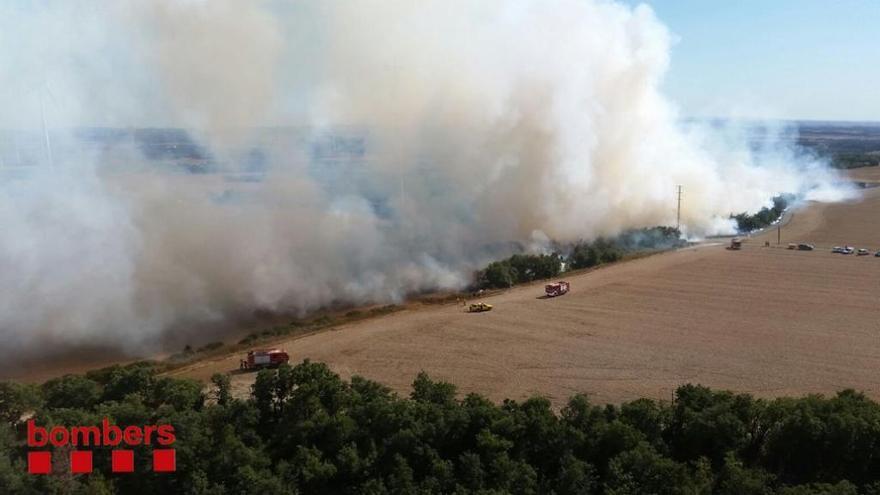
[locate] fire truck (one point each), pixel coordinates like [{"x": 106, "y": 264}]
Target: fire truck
[
  {"x": 266, "y": 358},
  {"x": 556, "y": 288}
]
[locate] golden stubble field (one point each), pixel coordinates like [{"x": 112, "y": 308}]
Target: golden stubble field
[{"x": 764, "y": 320}]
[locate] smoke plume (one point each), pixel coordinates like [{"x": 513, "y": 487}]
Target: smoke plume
[{"x": 336, "y": 152}]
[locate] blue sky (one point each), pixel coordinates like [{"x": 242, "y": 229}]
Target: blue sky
[{"x": 794, "y": 59}]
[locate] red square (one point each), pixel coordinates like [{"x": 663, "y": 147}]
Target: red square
[
  {"x": 39, "y": 462},
  {"x": 164, "y": 461},
  {"x": 81, "y": 461},
  {"x": 122, "y": 461}
]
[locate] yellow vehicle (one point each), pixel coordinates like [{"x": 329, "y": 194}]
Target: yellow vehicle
[{"x": 479, "y": 308}]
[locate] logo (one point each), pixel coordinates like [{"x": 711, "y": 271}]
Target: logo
[{"x": 76, "y": 438}]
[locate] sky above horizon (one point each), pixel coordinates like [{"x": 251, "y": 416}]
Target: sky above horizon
[{"x": 785, "y": 59}]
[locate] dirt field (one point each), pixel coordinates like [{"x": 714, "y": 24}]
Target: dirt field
[
  {"x": 867, "y": 174},
  {"x": 765, "y": 320}
]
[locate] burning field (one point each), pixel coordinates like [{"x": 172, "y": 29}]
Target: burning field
[{"x": 765, "y": 320}]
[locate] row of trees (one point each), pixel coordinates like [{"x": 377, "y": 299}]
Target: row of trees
[
  {"x": 518, "y": 269},
  {"x": 855, "y": 160},
  {"x": 590, "y": 254},
  {"x": 603, "y": 250},
  {"x": 521, "y": 268},
  {"x": 763, "y": 218},
  {"x": 305, "y": 430}
]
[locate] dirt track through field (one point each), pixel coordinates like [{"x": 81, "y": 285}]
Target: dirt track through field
[{"x": 765, "y": 320}]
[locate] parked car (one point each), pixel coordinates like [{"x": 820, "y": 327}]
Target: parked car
[
  {"x": 479, "y": 308},
  {"x": 837, "y": 249},
  {"x": 863, "y": 252},
  {"x": 806, "y": 247},
  {"x": 877, "y": 254},
  {"x": 848, "y": 250}
]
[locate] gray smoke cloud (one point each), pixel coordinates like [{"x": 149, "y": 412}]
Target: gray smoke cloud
[{"x": 347, "y": 152}]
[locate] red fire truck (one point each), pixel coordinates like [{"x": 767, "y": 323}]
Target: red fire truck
[
  {"x": 266, "y": 358},
  {"x": 556, "y": 288}
]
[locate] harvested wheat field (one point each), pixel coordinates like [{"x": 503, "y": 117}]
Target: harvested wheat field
[
  {"x": 765, "y": 320},
  {"x": 866, "y": 174}
]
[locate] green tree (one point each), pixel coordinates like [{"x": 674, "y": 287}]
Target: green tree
[
  {"x": 426, "y": 390},
  {"x": 498, "y": 274},
  {"x": 223, "y": 394},
  {"x": 584, "y": 255},
  {"x": 73, "y": 391},
  {"x": 129, "y": 380},
  {"x": 736, "y": 479},
  {"x": 180, "y": 394},
  {"x": 643, "y": 470},
  {"x": 840, "y": 488},
  {"x": 710, "y": 424},
  {"x": 16, "y": 399}
]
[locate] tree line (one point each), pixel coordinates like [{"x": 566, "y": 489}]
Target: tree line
[
  {"x": 763, "y": 218},
  {"x": 304, "y": 430},
  {"x": 522, "y": 268}
]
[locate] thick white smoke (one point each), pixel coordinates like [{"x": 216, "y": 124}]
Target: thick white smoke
[{"x": 454, "y": 129}]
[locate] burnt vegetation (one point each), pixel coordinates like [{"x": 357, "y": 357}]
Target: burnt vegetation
[{"x": 305, "y": 430}]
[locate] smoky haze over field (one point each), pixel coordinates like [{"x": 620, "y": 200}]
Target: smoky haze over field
[{"x": 341, "y": 152}]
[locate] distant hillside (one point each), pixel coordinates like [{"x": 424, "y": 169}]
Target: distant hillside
[{"x": 847, "y": 144}]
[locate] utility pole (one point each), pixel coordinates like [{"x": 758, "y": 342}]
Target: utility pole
[
  {"x": 678, "y": 212},
  {"x": 779, "y": 233}
]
